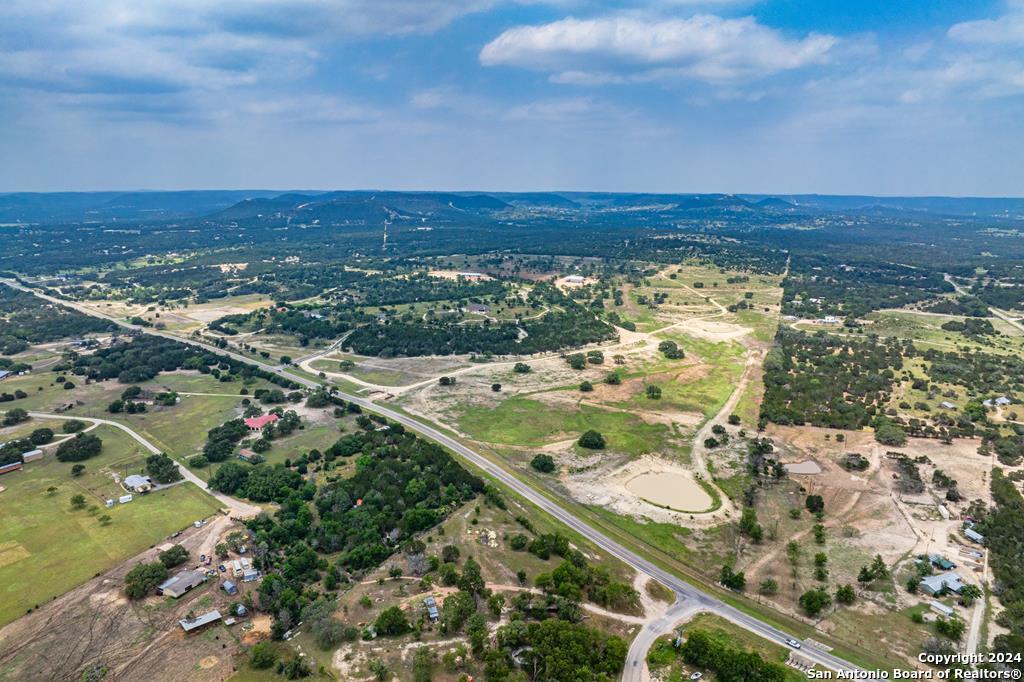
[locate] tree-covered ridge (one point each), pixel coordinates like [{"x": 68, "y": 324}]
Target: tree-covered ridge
[
  {"x": 26, "y": 319},
  {"x": 820, "y": 286},
  {"x": 565, "y": 324},
  {"x": 828, "y": 381}
]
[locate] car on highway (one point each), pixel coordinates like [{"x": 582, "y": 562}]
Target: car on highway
[{"x": 793, "y": 643}]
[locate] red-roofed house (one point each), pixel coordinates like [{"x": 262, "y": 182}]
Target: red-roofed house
[{"x": 257, "y": 423}]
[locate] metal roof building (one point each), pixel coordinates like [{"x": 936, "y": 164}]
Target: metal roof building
[
  {"x": 181, "y": 583},
  {"x": 198, "y": 622}
]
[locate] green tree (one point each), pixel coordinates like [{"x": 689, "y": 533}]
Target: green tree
[
  {"x": 591, "y": 440},
  {"x": 262, "y": 656},
  {"x": 391, "y": 622},
  {"x": 845, "y": 594},
  {"x": 543, "y": 463},
  {"x": 143, "y": 579},
  {"x": 813, "y": 602}
]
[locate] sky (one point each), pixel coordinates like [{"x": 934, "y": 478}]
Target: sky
[{"x": 916, "y": 97}]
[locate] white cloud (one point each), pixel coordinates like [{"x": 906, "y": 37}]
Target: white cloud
[
  {"x": 624, "y": 48},
  {"x": 1005, "y": 30}
]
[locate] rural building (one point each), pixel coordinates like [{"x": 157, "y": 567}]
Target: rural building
[
  {"x": 109, "y": 504},
  {"x": 477, "y": 308},
  {"x": 431, "y": 605},
  {"x": 249, "y": 575},
  {"x": 941, "y": 562},
  {"x": 941, "y": 609},
  {"x": 974, "y": 535},
  {"x": 574, "y": 279},
  {"x": 31, "y": 455},
  {"x": 230, "y": 587},
  {"x": 257, "y": 423},
  {"x": 937, "y": 584},
  {"x": 236, "y": 567},
  {"x": 181, "y": 583},
  {"x": 8, "y": 468},
  {"x": 124, "y": 499},
  {"x": 193, "y": 624},
  {"x": 241, "y": 611},
  {"x": 138, "y": 484},
  {"x": 4, "y": 374},
  {"x": 946, "y": 405},
  {"x": 1000, "y": 401},
  {"x": 471, "y": 275}
]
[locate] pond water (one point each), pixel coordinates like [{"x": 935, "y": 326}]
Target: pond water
[
  {"x": 671, "y": 490},
  {"x": 808, "y": 467}
]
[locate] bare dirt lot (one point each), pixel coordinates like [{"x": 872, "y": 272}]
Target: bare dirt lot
[{"x": 95, "y": 627}]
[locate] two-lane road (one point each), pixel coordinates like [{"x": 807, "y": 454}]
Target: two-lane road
[{"x": 689, "y": 595}]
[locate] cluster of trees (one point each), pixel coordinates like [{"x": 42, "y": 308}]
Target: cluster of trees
[
  {"x": 1003, "y": 528},
  {"x": 221, "y": 440},
  {"x": 566, "y": 324},
  {"x": 162, "y": 469},
  {"x": 81, "y": 447},
  {"x": 854, "y": 289},
  {"x": 262, "y": 482},
  {"x": 710, "y": 651},
  {"x": 26, "y": 319},
  {"x": 828, "y": 381},
  {"x": 970, "y": 327},
  {"x": 144, "y": 357},
  {"x": 969, "y": 306}
]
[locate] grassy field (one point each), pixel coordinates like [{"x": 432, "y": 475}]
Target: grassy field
[
  {"x": 41, "y": 535},
  {"x": 522, "y": 421}
]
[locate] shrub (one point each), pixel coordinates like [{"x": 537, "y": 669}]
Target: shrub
[{"x": 592, "y": 440}]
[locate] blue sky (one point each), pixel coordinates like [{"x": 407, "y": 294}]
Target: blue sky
[{"x": 831, "y": 96}]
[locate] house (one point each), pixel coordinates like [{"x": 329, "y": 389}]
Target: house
[
  {"x": 941, "y": 609},
  {"x": 230, "y": 587},
  {"x": 138, "y": 484},
  {"x": 974, "y": 535},
  {"x": 8, "y": 468},
  {"x": 431, "y": 605},
  {"x": 193, "y": 624},
  {"x": 1000, "y": 401},
  {"x": 4, "y": 374},
  {"x": 31, "y": 455},
  {"x": 829, "y": 319},
  {"x": 124, "y": 499},
  {"x": 241, "y": 611},
  {"x": 941, "y": 562},
  {"x": 946, "y": 405},
  {"x": 181, "y": 583},
  {"x": 933, "y": 585},
  {"x": 257, "y": 423},
  {"x": 250, "y": 575}
]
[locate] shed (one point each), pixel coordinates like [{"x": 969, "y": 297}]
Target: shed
[
  {"x": 124, "y": 499},
  {"x": 109, "y": 504},
  {"x": 249, "y": 575},
  {"x": 941, "y": 562},
  {"x": 181, "y": 583},
  {"x": 8, "y": 468},
  {"x": 241, "y": 611},
  {"x": 946, "y": 405},
  {"x": 974, "y": 535},
  {"x": 31, "y": 455},
  {"x": 230, "y": 587},
  {"x": 193, "y": 624},
  {"x": 941, "y": 609}
]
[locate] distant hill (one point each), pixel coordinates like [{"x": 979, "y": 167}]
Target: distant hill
[
  {"x": 363, "y": 207},
  {"x": 92, "y": 206},
  {"x": 536, "y": 199}
]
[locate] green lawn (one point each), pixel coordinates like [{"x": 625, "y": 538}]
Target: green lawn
[
  {"x": 522, "y": 421},
  {"x": 47, "y": 548}
]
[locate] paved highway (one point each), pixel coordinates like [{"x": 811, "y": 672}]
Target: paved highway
[{"x": 690, "y": 596}]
